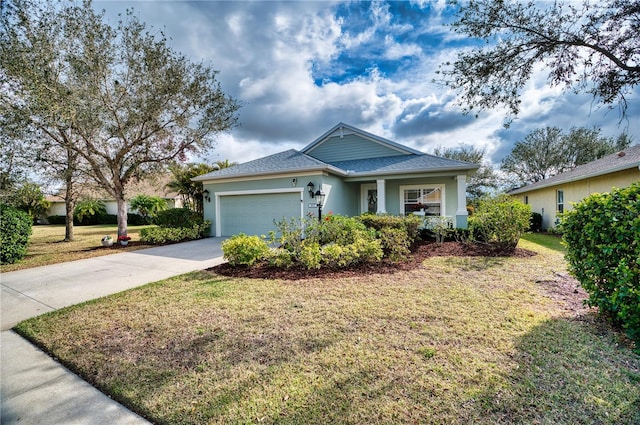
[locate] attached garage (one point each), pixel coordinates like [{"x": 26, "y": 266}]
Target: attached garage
[{"x": 254, "y": 212}]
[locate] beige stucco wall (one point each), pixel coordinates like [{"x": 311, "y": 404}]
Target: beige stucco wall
[{"x": 543, "y": 200}]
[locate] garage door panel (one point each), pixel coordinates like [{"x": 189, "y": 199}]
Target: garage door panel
[{"x": 255, "y": 214}]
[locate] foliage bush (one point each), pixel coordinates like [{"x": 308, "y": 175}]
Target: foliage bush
[
  {"x": 15, "y": 229},
  {"x": 500, "y": 221},
  {"x": 161, "y": 235},
  {"x": 535, "y": 222},
  {"x": 244, "y": 250},
  {"x": 396, "y": 233},
  {"x": 57, "y": 219},
  {"x": 87, "y": 211},
  {"x": 177, "y": 218},
  {"x": 602, "y": 234},
  {"x": 336, "y": 242}
]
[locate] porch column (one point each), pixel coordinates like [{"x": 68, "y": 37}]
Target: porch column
[
  {"x": 382, "y": 199},
  {"x": 461, "y": 211}
]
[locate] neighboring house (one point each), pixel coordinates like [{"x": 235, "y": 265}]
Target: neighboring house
[
  {"x": 357, "y": 171},
  {"x": 153, "y": 186},
  {"x": 557, "y": 194}
]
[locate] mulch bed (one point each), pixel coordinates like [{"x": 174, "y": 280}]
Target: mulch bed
[{"x": 419, "y": 253}]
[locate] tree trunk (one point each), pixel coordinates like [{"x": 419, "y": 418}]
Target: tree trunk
[
  {"x": 68, "y": 230},
  {"x": 122, "y": 214},
  {"x": 70, "y": 203}
]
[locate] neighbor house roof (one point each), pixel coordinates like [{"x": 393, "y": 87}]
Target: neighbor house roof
[
  {"x": 623, "y": 160},
  {"x": 407, "y": 161}
]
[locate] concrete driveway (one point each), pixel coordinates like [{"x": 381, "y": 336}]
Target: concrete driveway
[{"x": 34, "y": 388}]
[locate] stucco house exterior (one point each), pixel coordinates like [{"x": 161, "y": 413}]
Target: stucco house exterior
[
  {"x": 356, "y": 171},
  {"x": 557, "y": 194},
  {"x": 152, "y": 186}
]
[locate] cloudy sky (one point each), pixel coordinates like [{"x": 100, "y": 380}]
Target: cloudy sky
[{"x": 300, "y": 67}]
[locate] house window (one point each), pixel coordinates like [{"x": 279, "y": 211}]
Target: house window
[
  {"x": 560, "y": 201},
  {"x": 526, "y": 199},
  {"x": 422, "y": 198}
]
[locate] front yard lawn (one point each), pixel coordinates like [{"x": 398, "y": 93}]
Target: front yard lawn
[
  {"x": 47, "y": 246},
  {"x": 457, "y": 340}
]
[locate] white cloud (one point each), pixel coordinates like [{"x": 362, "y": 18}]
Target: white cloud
[{"x": 266, "y": 53}]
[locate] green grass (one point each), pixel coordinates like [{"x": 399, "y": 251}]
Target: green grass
[
  {"x": 546, "y": 240},
  {"x": 457, "y": 341},
  {"x": 47, "y": 246}
]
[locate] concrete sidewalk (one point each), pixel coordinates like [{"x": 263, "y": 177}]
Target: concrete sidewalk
[{"x": 35, "y": 389}]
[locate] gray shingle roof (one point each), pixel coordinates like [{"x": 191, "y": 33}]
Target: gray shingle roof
[
  {"x": 282, "y": 162},
  {"x": 295, "y": 161},
  {"x": 402, "y": 164},
  {"x": 623, "y": 160}
]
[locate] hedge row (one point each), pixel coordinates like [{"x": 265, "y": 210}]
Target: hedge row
[
  {"x": 336, "y": 242},
  {"x": 602, "y": 234},
  {"x": 132, "y": 219}
]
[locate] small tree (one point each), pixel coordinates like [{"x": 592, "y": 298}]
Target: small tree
[
  {"x": 148, "y": 206},
  {"x": 119, "y": 97},
  {"x": 29, "y": 198}
]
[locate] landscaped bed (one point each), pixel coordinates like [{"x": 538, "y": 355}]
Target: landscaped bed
[{"x": 449, "y": 339}]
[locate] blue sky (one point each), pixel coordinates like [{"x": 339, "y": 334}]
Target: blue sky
[{"x": 300, "y": 67}]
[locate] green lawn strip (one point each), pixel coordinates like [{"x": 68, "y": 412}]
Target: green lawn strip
[
  {"x": 47, "y": 246},
  {"x": 460, "y": 340},
  {"x": 549, "y": 241}
]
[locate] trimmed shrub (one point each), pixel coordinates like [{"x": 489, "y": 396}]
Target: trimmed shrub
[
  {"x": 336, "y": 242},
  {"x": 500, "y": 221},
  {"x": 310, "y": 255},
  {"x": 178, "y": 217},
  {"x": 602, "y": 234},
  {"x": 162, "y": 235},
  {"x": 396, "y": 233},
  {"x": 535, "y": 222},
  {"x": 395, "y": 243},
  {"x": 57, "y": 219},
  {"x": 410, "y": 224},
  {"x": 243, "y": 250},
  {"x": 15, "y": 229},
  {"x": 133, "y": 220}
]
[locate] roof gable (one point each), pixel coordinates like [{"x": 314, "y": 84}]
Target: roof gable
[
  {"x": 345, "y": 143},
  {"x": 623, "y": 160}
]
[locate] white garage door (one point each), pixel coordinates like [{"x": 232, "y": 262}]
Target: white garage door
[{"x": 254, "y": 214}]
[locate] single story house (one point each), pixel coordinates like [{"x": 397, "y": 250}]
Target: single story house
[
  {"x": 357, "y": 172},
  {"x": 152, "y": 186},
  {"x": 557, "y": 194}
]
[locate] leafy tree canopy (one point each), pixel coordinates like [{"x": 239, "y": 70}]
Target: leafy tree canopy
[
  {"x": 548, "y": 151},
  {"x": 118, "y": 96},
  {"x": 592, "y": 47}
]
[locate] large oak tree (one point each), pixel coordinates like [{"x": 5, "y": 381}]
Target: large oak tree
[
  {"x": 588, "y": 47},
  {"x": 117, "y": 96}
]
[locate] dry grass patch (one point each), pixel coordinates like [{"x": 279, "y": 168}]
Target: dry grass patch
[
  {"x": 457, "y": 341},
  {"x": 47, "y": 245}
]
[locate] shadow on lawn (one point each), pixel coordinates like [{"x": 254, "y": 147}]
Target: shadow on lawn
[{"x": 569, "y": 371}]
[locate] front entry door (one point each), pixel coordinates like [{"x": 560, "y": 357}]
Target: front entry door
[{"x": 369, "y": 198}]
